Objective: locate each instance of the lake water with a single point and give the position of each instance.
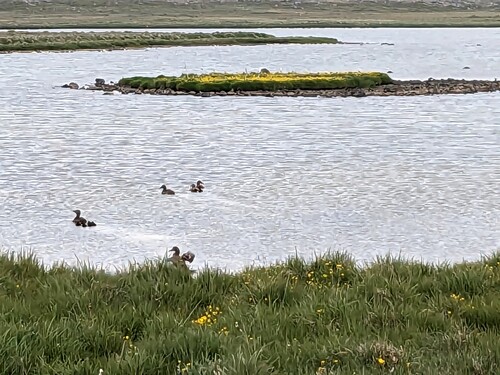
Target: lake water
(416, 176)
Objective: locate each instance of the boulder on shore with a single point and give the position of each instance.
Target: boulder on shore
(99, 82)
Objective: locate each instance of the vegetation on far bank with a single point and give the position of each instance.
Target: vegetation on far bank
(161, 14)
(263, 81)
(328, 316)
(63, 41)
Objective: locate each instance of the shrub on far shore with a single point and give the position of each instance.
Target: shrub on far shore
(328, 316)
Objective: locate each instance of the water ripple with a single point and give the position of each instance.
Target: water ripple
(417, 176)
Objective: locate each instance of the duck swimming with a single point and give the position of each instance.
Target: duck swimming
(78, 220)
(82, 222)
(200, 185)
(167, 191)
(77, 217)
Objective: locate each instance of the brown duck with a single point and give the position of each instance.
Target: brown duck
(167, 191)
(82, 222)
(179, 259)
(78, 220)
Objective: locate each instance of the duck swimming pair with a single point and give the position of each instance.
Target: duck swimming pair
(177, 258)
(194, 188)
(82, 222)
(198, 188)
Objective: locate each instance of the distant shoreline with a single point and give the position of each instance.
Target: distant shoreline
(245, 26)
(243, 15)
(19, 41)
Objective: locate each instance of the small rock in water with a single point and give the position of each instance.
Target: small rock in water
(466, 67)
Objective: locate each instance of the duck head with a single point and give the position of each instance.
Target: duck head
(175, 250)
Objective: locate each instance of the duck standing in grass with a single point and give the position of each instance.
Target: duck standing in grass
(166, 191)
(82, 222)
(178, 259)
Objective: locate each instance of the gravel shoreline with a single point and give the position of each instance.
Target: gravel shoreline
(397, 88)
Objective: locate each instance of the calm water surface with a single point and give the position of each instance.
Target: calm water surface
(414, 176)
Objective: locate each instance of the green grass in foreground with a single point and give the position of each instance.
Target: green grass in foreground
(258, 81)
(324, 317)
(62, 41)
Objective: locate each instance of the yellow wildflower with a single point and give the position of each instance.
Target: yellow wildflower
(381, 361)
(209, 317)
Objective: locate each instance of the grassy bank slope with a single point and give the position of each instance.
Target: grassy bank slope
(84, 13)
(12, 41)
(258, 81)
(324, 317)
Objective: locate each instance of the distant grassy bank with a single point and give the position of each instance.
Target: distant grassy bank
(13, 41)
(263, 81)
(130, 14)
(324, 317)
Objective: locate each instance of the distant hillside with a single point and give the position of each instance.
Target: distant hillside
(247, 13)
(111, 3)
